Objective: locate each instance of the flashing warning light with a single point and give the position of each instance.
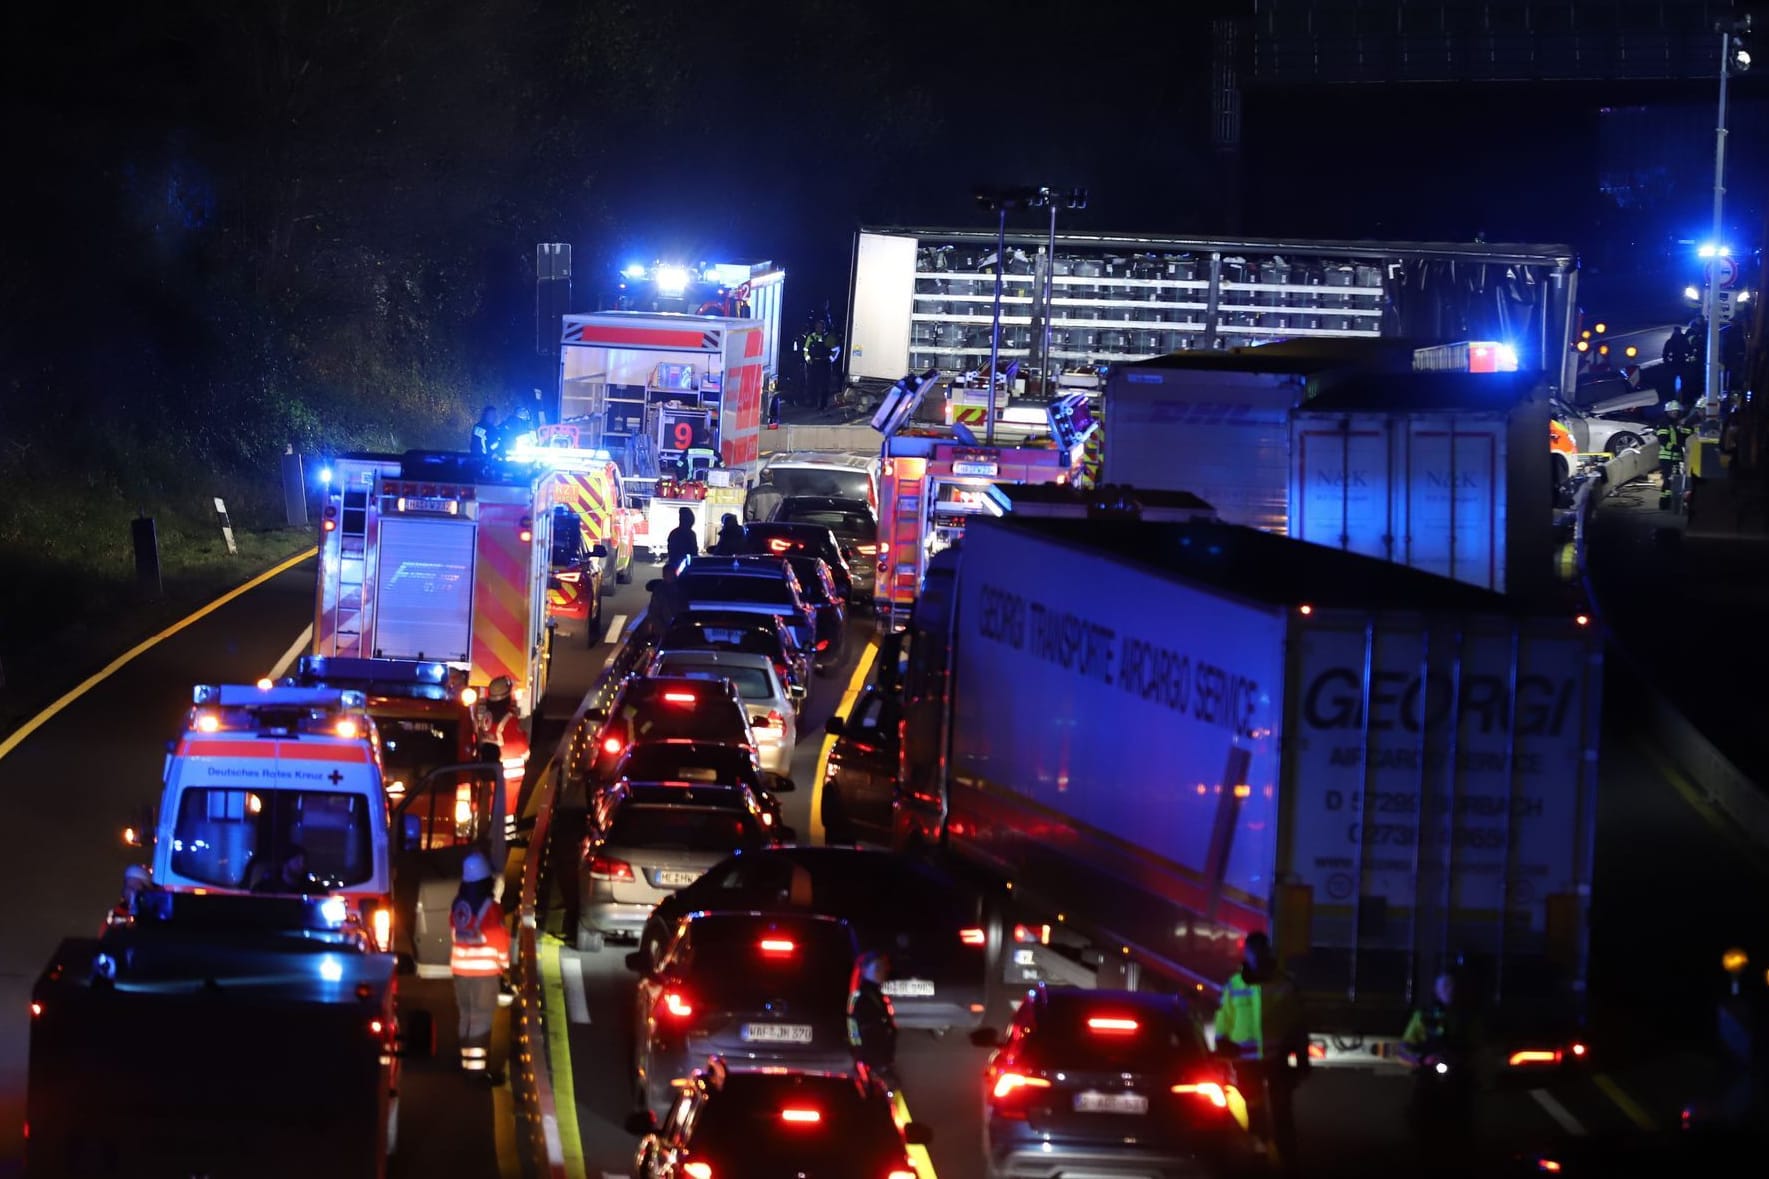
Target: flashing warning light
(972, 937)
(131, 838)
(1577, 1049)
(671, 280)
(633, 271)
(1548, 1165)
(1630, 351)
(463, 805)
(330, 525)
(1528, 1056)
(264, 684)
(777, 945)
(348, 729)
(1208, 1090)
(469, 696)
(208, 722)
(396, 789)
(697, 1170)
(381, 923)
(376, 1027)
(801, 1117)
(527, 529)
(334, 910)
(676, 1005)
(679, 697)
(1735, 960)
(325, 476)
(1691, 294)
(611, 745)
(1009, 1083)
(1109, 1024)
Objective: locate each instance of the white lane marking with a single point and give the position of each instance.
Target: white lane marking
(577, 1005)
(292, 653)
(614, 628)
(1561, 1115)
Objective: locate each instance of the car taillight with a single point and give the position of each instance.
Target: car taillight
(1010, 1083)
(571, 578)
(676, 1004)
(1209, 1091)
(972, 937)
(679, 697)
(775, 719)
(1529, 1056)
(801, 1117)
(778, 545)
(1111, 1026)
(823, 644)
(604, 868)
(697, 1170)
(611, 744)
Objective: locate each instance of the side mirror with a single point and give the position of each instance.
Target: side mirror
(916, 1134)
(600, 550)
(411, 832)
(833, 726)
(986, 1037)
(639, 962)
(641, 1123)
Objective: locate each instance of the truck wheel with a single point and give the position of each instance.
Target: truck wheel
(589, 941)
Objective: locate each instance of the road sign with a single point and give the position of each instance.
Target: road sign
(1722, 272)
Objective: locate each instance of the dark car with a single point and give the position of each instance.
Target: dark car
(668, 708)
(924, 918)
(647, 841)
(818, 588)
(701, 763)
(1104, 1083)
(729, 630)
(759, 990)
(748, 585)
(745, 1125)
(853, 521)
(860, 782)
(777, 539)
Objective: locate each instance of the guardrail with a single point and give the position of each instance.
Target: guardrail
(858, 439)
(537, 1113)
(1722, 785)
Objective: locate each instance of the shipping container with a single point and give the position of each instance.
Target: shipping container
(1217, 730)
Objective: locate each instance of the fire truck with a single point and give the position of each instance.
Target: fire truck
(441, 557)
(588, 481)
(936, 477)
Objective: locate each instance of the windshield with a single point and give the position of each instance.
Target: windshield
(242, 838)
(412, 747)
(714, 588)
(680, 828)
(827, 481)
(641, 719)
(753, 683)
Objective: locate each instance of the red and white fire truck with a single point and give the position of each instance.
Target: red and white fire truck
(935, 478)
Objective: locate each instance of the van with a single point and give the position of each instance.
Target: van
(805, 472)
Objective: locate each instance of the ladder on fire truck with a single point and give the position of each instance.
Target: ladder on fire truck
(353, 560)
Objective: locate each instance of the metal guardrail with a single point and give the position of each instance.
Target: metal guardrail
(537, 1113)
(1721, 784)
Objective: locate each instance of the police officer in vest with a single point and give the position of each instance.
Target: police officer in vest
(1260, 1027)
(872, 1024)
(1446, 1047)
(1673, 439)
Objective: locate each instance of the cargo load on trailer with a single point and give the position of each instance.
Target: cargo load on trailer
(1215, 730)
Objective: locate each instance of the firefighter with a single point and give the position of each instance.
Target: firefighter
(872, 1024)
(1445, 1045)
(483, 442)
(479, 959)
(1673, 438)
(495, 720)
(517, 432)
(1260, 1027)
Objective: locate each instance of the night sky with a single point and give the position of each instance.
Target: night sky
(216, 206)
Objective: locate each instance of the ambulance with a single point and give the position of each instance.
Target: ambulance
(935, 478)
(439, 557)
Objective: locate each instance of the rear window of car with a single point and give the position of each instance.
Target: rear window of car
(648, 716)
(849, 1128)
(821, 481)
(849, 522)
(673, 763)
(869, 887)
(1064, 1036)
(714, 588)
(728, 964)
(753, 683)
(681, 828)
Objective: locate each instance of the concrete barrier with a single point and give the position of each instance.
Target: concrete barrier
(1628, 466)
(854, 439)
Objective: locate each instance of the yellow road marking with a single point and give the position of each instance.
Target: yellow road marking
(924, 1165)
(1626, 1104)
(855, 683)
(117, 664)
(1700, 804)
(559, 1054)
(302, 641)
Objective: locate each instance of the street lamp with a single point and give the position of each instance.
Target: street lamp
(1075, 198)
(1734, 58)
(1000, 201)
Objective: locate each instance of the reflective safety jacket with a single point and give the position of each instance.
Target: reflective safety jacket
(481, 943)
(1262, 1019)
(1673, 437)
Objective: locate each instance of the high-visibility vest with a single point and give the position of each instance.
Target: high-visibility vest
(1260, 1019)
(481, 943)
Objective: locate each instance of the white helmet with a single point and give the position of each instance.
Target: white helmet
(475, 868)
(1673, 407)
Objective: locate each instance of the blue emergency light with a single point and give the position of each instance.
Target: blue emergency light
(253, 696)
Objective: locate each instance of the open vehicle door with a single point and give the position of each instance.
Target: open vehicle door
(455, 809)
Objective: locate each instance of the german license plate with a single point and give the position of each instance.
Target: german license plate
(776, 1033)
(675, 877)
(1111, 1103)
(909, 988)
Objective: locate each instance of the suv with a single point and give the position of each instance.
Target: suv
(760, 990)
(669, 708)
(748, 585)
(854, 523)
(1093, 1081)
(724, 630)
(850, 476)
(725, 1121)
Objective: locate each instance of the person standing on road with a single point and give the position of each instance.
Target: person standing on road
(1260, 1026)
(479, 959)
(1673, 439)
(872, 1023)
(684, 540)
(1446, 1047)
(730, 542)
